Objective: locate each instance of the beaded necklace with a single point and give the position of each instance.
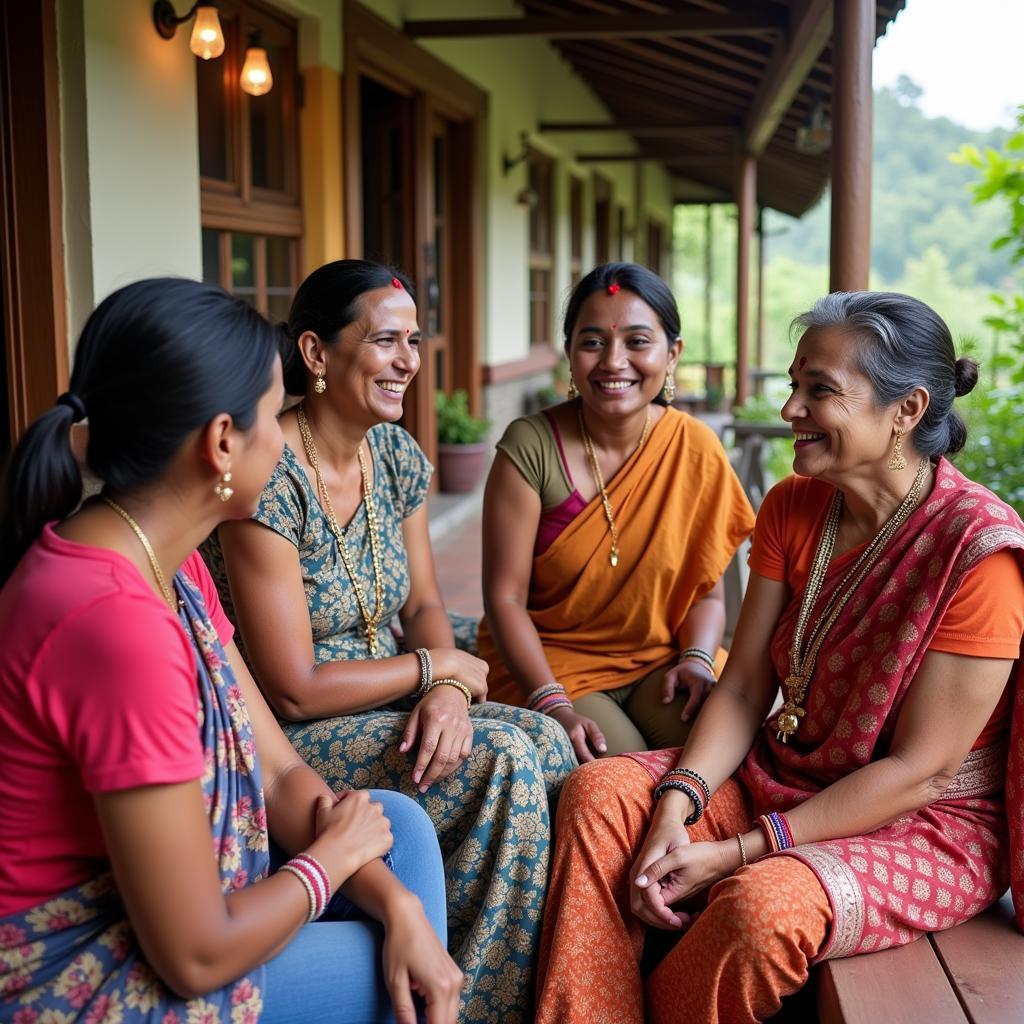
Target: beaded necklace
(802, 657)
(371, 622)
(599, 479)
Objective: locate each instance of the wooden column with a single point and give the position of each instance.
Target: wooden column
(853, 40)
(759, 347)
(709, 277)
(746, 213)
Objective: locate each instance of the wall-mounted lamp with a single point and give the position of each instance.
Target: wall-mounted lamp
(256, 78)
(509, 162)
(207, 36)
(814, 136)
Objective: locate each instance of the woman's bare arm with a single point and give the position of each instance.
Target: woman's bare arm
(270, 604)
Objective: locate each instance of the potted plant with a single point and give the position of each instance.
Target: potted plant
(461, 448)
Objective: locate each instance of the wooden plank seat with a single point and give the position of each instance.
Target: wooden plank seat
(973, 974)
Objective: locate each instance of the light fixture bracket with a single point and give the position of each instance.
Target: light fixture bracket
(510, 162)
(166, 20)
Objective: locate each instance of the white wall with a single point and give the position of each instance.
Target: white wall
(143, 152)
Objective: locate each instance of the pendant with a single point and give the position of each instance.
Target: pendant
(788, 720)
(371, 643)
(614, 558)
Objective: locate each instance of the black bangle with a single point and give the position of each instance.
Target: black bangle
(686, 788)
(689, 773)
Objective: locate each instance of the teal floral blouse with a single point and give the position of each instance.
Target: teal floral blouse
(289, 506)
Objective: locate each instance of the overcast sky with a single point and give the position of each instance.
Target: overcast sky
(967, 55)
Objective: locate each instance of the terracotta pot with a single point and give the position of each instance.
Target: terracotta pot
(461, 466)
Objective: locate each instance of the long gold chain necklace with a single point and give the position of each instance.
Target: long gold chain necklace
(588, 445)
(802, 658)
(161, 580)
(371, 622)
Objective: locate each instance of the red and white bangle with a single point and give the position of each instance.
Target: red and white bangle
(311, 873)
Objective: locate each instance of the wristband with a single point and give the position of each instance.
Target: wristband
(690, 791)
(543, 693)
(311, 873)
(699, 654)
(461, 687)
(426, 670)
(687, 774)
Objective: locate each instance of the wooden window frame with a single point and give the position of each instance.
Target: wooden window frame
(541, 258)
(576, 228)
(236, 205)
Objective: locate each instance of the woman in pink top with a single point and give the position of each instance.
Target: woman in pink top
(132, 735)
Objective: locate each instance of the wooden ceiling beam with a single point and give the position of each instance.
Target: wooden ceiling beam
(682, 160)
(745, 19)
(653, 131)
(810, 29)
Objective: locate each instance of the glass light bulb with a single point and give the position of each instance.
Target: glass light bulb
(256, 78)
(207, 37)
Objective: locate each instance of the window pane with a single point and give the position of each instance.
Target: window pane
(243, 263)
(212, 87)
(279, 264)
(271, 115)
(278, 304)
(211, 256)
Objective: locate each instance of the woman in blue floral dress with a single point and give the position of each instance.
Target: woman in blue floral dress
(142, 776)
(338, 549)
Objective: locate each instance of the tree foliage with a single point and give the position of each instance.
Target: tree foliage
(995, 452)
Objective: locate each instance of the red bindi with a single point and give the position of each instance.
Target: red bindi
(614, 326)
(802, 363)
(613, 288)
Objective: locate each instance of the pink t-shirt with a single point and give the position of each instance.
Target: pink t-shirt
(97, 693)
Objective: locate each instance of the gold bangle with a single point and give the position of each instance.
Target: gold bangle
(461, 687)
(743, 850)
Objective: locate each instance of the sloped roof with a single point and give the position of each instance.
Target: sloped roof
(716, 79)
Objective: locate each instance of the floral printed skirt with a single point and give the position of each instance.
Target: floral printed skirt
(494, 826)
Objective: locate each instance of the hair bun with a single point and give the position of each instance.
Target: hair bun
(966, 376)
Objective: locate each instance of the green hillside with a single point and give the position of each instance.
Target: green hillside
(928, 239)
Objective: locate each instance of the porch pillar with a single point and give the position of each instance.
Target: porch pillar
(759, 345)
(746, 213)
(852, 42)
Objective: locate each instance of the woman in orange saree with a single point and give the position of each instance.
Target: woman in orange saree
(603, 554)
(877, 804)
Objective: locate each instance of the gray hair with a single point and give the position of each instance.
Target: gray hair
(902, 345)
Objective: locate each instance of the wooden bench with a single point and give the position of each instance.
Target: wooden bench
(973, 974)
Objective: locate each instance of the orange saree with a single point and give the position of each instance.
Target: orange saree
(681, 514)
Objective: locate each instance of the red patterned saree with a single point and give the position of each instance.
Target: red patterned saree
(939, 866)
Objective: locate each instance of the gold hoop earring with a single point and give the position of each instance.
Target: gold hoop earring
(321, 382)
(668, 391)
(222, 490)
(572, 391)
(896, 461)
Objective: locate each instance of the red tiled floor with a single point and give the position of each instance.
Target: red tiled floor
(457, 558)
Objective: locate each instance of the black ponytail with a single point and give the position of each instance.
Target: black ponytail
(156, 361)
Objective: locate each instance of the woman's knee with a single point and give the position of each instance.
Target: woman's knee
(775, 901)
(605, 795)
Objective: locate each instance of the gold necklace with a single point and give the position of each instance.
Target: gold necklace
(599, 480)
(370, 622)
(150, 554)
(802, 658)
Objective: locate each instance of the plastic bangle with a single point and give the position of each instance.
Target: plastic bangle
(689, 773)
(311, 873)
(701, 655)
(688, 790)
(538, 695)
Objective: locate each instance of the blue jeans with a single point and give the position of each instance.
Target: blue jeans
(330, 973)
